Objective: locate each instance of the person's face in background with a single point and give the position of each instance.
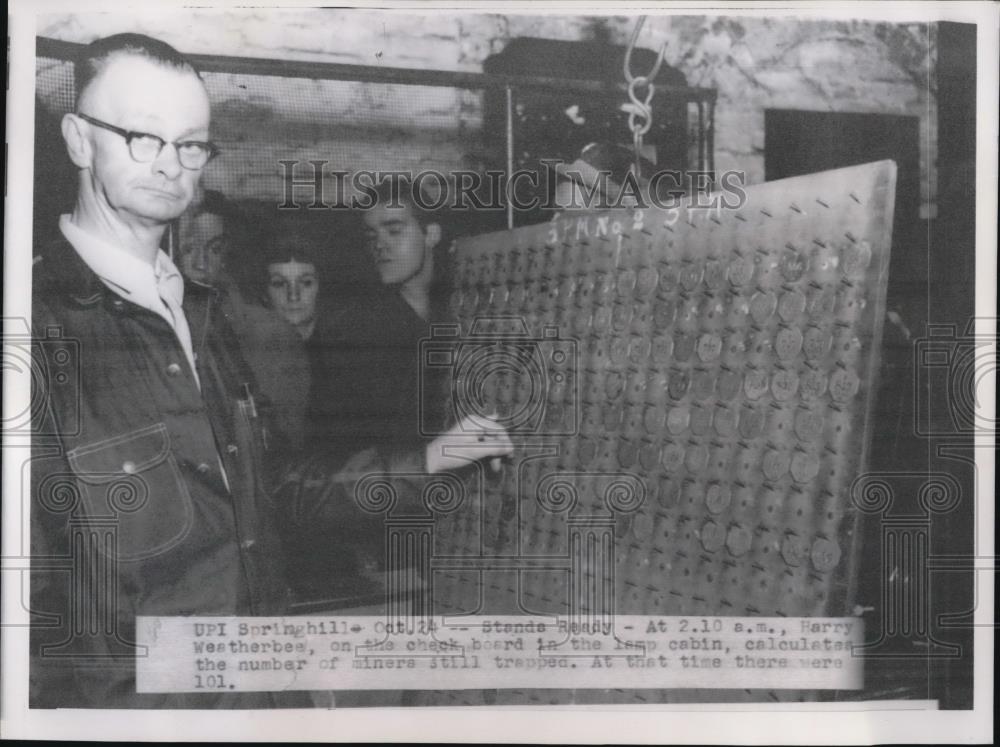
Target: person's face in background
(401, 248)
(202, 243)
(293, 287)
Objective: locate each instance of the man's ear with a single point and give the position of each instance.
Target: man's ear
(77, 142)
(432, 235)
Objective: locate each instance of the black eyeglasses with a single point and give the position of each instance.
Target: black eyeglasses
(144, 147)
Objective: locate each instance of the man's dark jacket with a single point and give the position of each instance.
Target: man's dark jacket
(131, 513)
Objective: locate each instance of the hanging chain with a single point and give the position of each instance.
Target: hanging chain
(640, 110)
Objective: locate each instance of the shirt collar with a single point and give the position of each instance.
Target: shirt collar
(123, 272)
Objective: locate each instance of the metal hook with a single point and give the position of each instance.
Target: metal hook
(639, 107)
(628, 54)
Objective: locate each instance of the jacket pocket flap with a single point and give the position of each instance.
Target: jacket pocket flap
(130, 453)
(134, 482)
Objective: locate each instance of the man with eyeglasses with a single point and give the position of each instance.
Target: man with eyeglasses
(152, 488)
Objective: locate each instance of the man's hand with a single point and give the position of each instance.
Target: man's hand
(473, 439)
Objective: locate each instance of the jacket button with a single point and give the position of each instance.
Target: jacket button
(173, 369)
(248, 543)
(128, 468)
(203, 468)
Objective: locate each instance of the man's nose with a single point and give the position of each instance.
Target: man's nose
(168, 162)
(294, 292)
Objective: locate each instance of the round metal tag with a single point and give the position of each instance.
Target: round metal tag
(684, 345)
(775, 464)
(696, 458)
(703, 384)
(663, 346)
(794, 550)
(755, 384)
(690, 276)
(844, 384)
(762, 305)
(792, 304)
(672, 456)
(713, 536)
(715, 274)
(813, 385)
(709, 347)
(793, 266)
(718, 497)
(725, 421)
(646, 282)
(817, 343)
(738, 540)
(680, 382)
(602, 320)
(784, 385)
(614, 384)
(678, 420)
(619, 351)
(788, 343)
(653, 419)
(808, 424)
(627, 453)
(752, 423)
(804, 467)
(825, 555)
(740, 271)
(701, 420)
(649, 457)
(626, 283)
(621, 315)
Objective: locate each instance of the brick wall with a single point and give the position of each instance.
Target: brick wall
(755, 63)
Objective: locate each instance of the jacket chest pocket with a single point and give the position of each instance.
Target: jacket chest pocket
(134, 483)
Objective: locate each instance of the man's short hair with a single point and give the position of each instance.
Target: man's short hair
(425, 215)
(297, 236)
(95, 56)
(213, 202)
(388, 190)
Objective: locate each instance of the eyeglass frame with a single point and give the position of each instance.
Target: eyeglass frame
(130, 135)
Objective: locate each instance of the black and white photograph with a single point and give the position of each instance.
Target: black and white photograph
(500, 372)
